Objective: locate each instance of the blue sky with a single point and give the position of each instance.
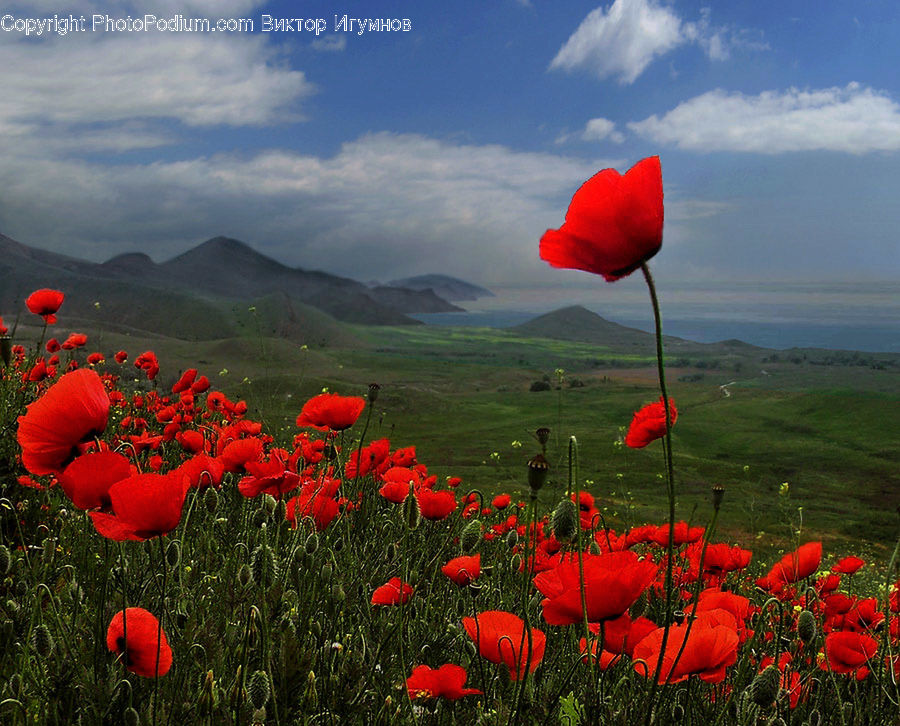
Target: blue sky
(453, 146)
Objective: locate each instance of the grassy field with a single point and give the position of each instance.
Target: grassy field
(462, 397)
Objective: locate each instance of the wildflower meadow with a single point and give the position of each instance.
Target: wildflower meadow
(166, 559)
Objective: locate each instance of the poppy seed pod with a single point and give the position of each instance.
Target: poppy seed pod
(538, 469)
(718, 494)
(373, 392)
(543, 435)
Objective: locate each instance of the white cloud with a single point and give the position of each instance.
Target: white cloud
(197, 79)
(622, 40)
(852, 119)
(332, 43)
(383, 205)
(598, 129)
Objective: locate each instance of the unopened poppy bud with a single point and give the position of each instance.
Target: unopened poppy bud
(594, 548)
(543, 435)
(312, 544)
(42, 641)
(238, 694)
(848, 712)
(263, 566)
(515, 562)
(639, 607)
(316, 628)
(173, 553)
(310, 695)
(718, 494)
(206, 702)
(244, 575)
(806, 626)
(269, 502)
(6, 349)
(471, 536)
(21, 588)
(412, 515)
(391, 551)
(259, 717)
(512, 538)
(764, 688)
(75, 593)
(327, 571)
(677, 712)
(538, 469)
(338, 546)
(259, 517)
(373, 392)
(339, 594)
(211, 500)
(5, 561)
(130, 717)
(258, 689)
(564, 521)
(48, 549)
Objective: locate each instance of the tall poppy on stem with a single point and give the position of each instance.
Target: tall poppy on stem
(613, 225)
(444, 682)
(45, 303)
(330, 411)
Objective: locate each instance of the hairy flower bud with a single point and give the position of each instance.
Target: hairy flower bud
(412, 514)
(312, 544)
(5, 560)
(130, 717)
(258, 689)
(764, 688)
(471, 536)
(173, 553)
(806, 626)
(564, 521)
(263, 566)
(211, 500)
(42, 641)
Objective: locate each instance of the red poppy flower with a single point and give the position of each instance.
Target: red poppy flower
(71, 412)
(649, 424)
(315, 503)
(622, 634)
(3, 329)
(236, 455)
(501, 501)
(330, 411)
(371, 456)
(709, 650)
(848, 565)
(202, 471)
(846, 651)
(444, 682)
(268, 477)
(86, 481)
(463, 570)
(393, 592)
(45, 303)
(75, 340)
(144, 506)
(121, 356)
(435, 505)
(612, 583)
(793, 566)
(137, 637)
(501, 638)
(613, 225)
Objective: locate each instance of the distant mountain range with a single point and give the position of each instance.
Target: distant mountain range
(449, 288)
(194, 295)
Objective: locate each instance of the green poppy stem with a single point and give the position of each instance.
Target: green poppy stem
(670, 480)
